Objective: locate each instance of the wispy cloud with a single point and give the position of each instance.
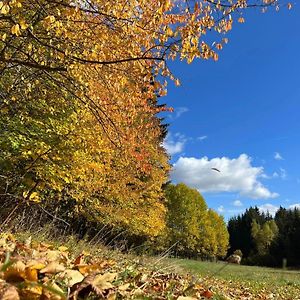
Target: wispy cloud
(174, 144)
(270, 208)
(202, 138)
(178, 111)
(237, 203)
(282, 173)
(236, 175)
(221, 209)
(278, 156)
(296, 205)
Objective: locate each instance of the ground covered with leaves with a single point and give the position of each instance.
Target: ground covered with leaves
(45, 271)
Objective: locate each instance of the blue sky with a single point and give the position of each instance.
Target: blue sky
(241, 115)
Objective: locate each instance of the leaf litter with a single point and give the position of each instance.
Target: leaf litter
(41, 271)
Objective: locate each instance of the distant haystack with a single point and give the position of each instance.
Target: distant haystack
(234, 259)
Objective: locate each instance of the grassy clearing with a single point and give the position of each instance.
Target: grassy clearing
(283, 284)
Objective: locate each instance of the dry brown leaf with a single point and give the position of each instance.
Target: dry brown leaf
(8, 292)
(112, 296)
(103, 282)
(186, 298)
(98, 284)
(71, 277)
(53, 268)
(124, 287)
(34, 264)
(28, 242)
(207, 294)
(79, 260)
(31, 292)
(53, 255)
(48, 295)
(15, 273)
(138, 292)
(45, 245)
(88, 269)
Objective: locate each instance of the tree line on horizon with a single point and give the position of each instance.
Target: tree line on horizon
(266, 240)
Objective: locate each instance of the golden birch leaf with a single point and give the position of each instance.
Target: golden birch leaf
(177, 82)
(31, 274)
(16, 30)
(34, 264)
(23, 24)
(63, 248)
(34, 197)
(4, 9)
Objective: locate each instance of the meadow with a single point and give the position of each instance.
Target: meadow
(236, 280)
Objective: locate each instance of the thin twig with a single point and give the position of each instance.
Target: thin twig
(54, 217)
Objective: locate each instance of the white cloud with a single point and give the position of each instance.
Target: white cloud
(278, 156)
(178, 111)
(237, 203)
(270, 208)
(236, 175)
(296, 205)
(201, 138)
(174, 144)
(221, 209)
(265, 176)
(283, 173)
(280, 174)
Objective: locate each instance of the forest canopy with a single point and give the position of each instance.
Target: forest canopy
(80, 83)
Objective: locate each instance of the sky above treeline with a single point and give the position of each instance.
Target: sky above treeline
(241, 115)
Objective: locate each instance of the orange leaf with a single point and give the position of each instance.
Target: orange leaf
(207, 294)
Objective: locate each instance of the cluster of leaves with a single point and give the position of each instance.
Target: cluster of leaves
(32, 270)
(264, 239)
(192, 229)
(74, 127)
(79, 82)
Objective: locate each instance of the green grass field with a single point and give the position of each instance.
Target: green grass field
(263, 283)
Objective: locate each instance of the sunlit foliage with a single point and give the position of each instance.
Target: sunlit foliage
(79, 83)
